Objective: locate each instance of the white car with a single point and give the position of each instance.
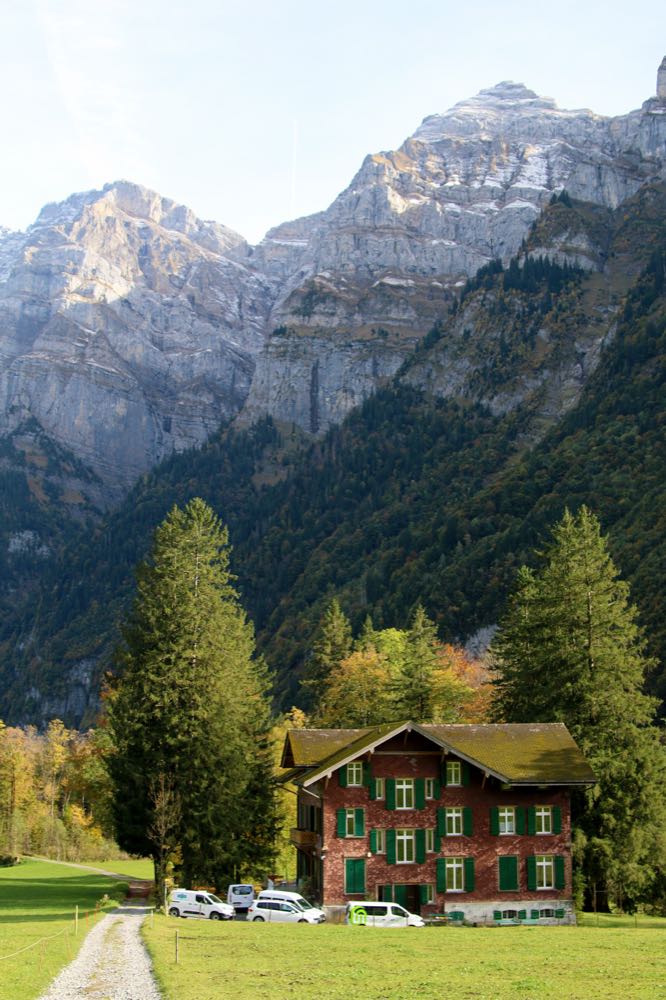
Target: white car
(282, 896)
(279, 911)
(373, 914)
(192, 903)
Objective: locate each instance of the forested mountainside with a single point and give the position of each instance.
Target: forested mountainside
(540, 387)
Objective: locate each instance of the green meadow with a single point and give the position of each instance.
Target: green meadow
(38, 900)
(133, 867)
(218, 960)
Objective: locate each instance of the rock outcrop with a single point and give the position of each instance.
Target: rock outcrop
(129, 328)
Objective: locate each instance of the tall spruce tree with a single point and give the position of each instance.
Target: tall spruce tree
(570, 649)
(332, 644)
(413, 688)
(189, 712)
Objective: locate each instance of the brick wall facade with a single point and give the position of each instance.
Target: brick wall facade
(418, 760)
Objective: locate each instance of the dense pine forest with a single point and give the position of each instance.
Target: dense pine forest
(417, 498)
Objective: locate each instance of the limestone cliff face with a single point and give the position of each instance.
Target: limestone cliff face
(128, 328)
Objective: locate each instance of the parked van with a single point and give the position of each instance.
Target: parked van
(240, 896)
(373, 914)
(296, 899)
(191, 903)
(283, 912)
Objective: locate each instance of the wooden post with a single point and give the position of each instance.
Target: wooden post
(176, 947)
(76, 921)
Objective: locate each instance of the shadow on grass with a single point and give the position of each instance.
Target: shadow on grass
(23, 899)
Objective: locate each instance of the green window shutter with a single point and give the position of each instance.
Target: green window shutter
(390, 847)
(387, 894)
(342, 776)
(560, 879)
(494, 821)
(443, 772)
(441, 874)
(342, 822)
(367, 773)
(559, 914)
(508, 873)
(420, 846)
(437, 842)
(497, 914)
(522, 914)
(373, 841)
(531, 821)
(438, 789)
(441, 822)
(465, 772)
(469, 874)
(419, 793)
(355, 875)
(534, 914)
(520, 819)
(359, 822)
(373, 789)
(531, 873)
(557, 819)
(467, 821)
(389, 791)
(423, 894)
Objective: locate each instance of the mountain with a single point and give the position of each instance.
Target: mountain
(465, 291)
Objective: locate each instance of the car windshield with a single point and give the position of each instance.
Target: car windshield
(214, 899)
(303, 903)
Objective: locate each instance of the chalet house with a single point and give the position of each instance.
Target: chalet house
(472, 821)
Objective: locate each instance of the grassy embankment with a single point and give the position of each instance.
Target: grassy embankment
(133, 868)
(38, 900)
(615, 960)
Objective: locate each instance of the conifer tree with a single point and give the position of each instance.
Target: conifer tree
(189, 711)
(570, 650)
(413, 689)
(332, 644)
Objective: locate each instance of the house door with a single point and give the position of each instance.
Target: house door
(408, 896)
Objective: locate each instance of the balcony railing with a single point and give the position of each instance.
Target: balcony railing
(304, 838)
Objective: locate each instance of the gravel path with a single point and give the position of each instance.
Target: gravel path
(112, 964)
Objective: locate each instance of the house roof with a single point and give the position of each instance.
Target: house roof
(516, 753)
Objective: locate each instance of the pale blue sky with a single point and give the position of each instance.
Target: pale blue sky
(255, 112)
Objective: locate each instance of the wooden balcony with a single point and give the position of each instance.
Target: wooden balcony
(305, 839)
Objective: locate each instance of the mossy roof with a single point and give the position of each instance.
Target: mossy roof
(519, 753)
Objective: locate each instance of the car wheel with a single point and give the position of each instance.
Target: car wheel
(259, 919)
(174, 912)
(302, 921)
(215, 916)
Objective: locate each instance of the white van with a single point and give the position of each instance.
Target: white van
(295, 898)
(373, 914)
(191, 903)
(240, 896)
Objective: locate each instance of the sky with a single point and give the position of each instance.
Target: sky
(255, 112)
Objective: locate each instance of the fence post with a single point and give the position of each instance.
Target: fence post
(76, 921)
(176, 947)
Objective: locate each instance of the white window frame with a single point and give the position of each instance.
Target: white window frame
(506, 816)
(430, 788)
(455, 874)
(350, 822)
(545, 871)
(404, 792)
(380, 788)
(405, 847)
(430, 840)
(430, 893)
(453, 773)
(355, 774)
(543, 819)
(380, 841)
(453, 821)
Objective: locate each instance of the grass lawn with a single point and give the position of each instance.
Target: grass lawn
(134, 868)
(37, 901)
(220, 960)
